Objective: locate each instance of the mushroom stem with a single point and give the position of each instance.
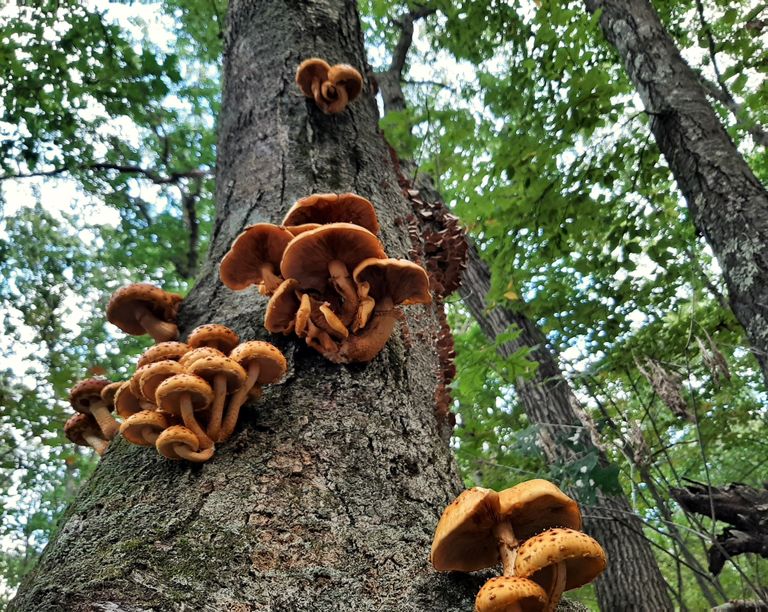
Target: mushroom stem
(188, 414)
(98, 444)
(557, 586)
(270, 281)
(238, 399)
(341, 101)
(365, 346)
(302, 315)
(508, 542)
(320, 340)
(104, 418)
(346, 287)
(150, 434)
(183, 451)
(161, 331)
(217, 410)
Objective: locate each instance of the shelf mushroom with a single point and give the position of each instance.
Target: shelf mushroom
(332, 87)
(254, 258)
(560, 560)
(510, 594)
(83, 430)
(325, 208)
(215, 336)
(184, 395)
(178, 442)
(144, 427)
(85, 397)
(142, 308)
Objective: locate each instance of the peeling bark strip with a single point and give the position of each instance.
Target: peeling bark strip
(727, 203)
(328, 497)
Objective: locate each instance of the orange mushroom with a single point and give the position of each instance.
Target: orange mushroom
(83, 430)
(254, 258)
(142, 308)
(324, 208)
(85, 397)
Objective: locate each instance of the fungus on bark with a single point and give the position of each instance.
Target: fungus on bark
(215, 336)
(254, 258)
(510, 594)
(283, 307)
(184, 395)
(560, 560)
(162, 351)
(126, 403)
(179, 442)
(332, 87)
(199, 353)
(154, 374)
(85, 397)
(225, 375)
(108, 394)
(325, 208)
(83, 430)
(142, 308)
(144, 427)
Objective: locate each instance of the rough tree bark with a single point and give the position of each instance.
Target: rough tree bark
(727, 203)
(549, 402)
(327, 497)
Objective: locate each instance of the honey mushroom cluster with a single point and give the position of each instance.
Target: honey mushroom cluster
(327, 275)
(331, 87)
(533, 529)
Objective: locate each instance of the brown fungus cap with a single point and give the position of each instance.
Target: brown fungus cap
(178, 442)
(348, 77)
(282, 308)
(134, 426)
(108, 393)
(464, 539)
(151, 376)
(87, 392)
(583, 557)
(307, 256)
(122, 305)
(404, 281)
(536, 505)
(300, 229)
(170, 392)
(204, 351)
(272, 365)
(324, 208)
(126, 403)
(259, 245)
(312, 69)
(80, 425)
(215, 336)
(165, 350)
(510, 593)
(208, 368)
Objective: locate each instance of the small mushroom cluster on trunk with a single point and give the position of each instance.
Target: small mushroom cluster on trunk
(327, 275)
(182, 399)
(331, 87)
(532, 529)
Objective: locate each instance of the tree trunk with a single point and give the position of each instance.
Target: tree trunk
(327, 497)
(727, 203)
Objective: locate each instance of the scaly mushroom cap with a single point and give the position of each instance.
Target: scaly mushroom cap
(536, 505)
(215, 336)
(309, 70)
(583, 557)
(122, 304)
(300, 229)
(208, 368)
(171, 391)
(348, 77)
(135, 382)
(134, 425)
(180, 435)
(510, 594)
(282, 308)
(126, 403)
(205, 351)
(464, 539)
(87, 392)
(258, 245)
(307, 256)
(154, 374)
(80, 425)
(324, 208)
(108, 393)
(271, 361)
(404, 281)
(165, 350)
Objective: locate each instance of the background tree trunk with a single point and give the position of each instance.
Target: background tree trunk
(328, 497)
(727, 203)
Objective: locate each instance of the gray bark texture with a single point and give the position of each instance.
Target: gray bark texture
(727, 203)
(327, 496)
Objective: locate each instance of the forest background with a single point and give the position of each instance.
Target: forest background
(525, 119)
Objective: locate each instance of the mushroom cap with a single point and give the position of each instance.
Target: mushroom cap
(282, 308)
(348, 77)
(173, 389)
(503, 593)
(86, 393)
(79, 425)
(204, 351)
(122, 305)
(126, 403)
(213, 334)
(307, 256)
(300, 229)
(135, 382)
(154, 374)
(258, 244)
(109, 391)
(309, 70)
(404, 281)
(164, 350)
(464, 539)
(271, 361)
(132, 426)
(324, 208)
(208, 368)
(176, 434)
(536, 505)
(583, 557)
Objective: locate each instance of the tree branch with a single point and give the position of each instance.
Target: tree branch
(758, 133)
(155, 177)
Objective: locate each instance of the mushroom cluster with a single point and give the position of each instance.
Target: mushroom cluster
(327, 275)
(182, 399)
(533, 530)
(332, 87)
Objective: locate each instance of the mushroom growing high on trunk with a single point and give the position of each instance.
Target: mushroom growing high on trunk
(142, 308)
(254, 258)
(85, 397)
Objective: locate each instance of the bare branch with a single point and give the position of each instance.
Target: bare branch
(147, 173)
(758, 133)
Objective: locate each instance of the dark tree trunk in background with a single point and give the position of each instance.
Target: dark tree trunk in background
(727, 204)
(327, 497)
